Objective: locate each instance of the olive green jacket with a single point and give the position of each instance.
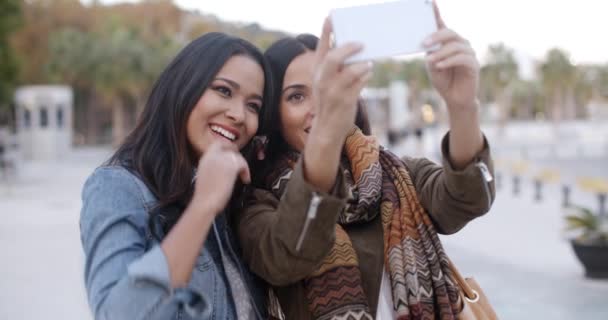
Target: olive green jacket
(269, 229)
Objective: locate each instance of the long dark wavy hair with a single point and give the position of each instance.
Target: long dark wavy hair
(157, 150)
(279, 55)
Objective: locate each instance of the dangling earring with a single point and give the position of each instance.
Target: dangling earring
(259, 146)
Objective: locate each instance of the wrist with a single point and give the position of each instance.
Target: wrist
(321, 160)
(327, 132)
(465, 111)
(464, 106)
(203, 207)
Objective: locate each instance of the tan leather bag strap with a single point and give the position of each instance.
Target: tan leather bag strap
(469, 293)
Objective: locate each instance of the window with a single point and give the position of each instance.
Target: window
(44, 117)
(60, 116)
(27, 118)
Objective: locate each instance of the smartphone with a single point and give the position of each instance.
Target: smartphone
(385, 29)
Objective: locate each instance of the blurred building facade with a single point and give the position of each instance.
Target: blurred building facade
(44, 121)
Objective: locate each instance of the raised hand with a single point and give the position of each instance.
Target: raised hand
(453, 68)
(337, 85)
(336, 88)
(217, 172)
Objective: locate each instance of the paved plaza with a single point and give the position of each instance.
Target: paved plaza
(517, 252)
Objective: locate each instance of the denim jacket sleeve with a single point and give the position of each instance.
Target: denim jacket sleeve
(124, 278)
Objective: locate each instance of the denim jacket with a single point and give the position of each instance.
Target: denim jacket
(126, 272)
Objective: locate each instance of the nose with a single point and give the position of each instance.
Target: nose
(312, 110)
(236, 112)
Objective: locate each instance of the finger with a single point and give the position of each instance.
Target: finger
(214, 147)
(443, 36)
(459, 60)
(350, 74)
(226, 145)
(438, 18)
(324, 42)
(450, 49)
(242, 168)
(355, 89)
(361, 83)
(335, 59)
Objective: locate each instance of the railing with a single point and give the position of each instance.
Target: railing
(522, 171)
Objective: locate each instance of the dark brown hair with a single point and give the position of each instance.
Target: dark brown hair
(157, 150)
(279, 55)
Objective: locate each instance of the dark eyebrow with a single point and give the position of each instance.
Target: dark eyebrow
(238, 87)
(230, 82)
(294, 86)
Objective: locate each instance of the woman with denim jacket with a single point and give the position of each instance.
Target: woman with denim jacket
(156, 240)
(339, 226)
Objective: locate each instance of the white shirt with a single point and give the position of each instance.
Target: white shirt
(385, 310)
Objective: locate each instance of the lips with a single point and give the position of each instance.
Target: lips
(226, 132)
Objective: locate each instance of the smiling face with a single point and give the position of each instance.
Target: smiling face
(229, 107)
(296, 106)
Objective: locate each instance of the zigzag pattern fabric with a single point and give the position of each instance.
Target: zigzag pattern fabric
(421, 281)
(364, 176)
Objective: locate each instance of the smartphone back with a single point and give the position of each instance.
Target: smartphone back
(385, 29)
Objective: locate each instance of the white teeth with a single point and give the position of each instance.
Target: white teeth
(225, 133)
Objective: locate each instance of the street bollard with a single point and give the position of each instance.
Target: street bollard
(566, 194)
(601, 197)
(538, 190)
(516, 182)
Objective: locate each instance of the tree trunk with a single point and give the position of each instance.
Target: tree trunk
(139, 108)
(569, 105)
(556, 107)
(556, 112)
(118, 124)
(504, 107)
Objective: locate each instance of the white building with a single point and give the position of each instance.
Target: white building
(393, 101)
(44, 121)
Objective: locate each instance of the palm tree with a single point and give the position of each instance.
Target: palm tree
(72, 60)
(525, 99)
(558, 78)
(584, 88)
(10, 20)
(599, 82)
(497, 76)
(383, 73)
(114, 68)
(415, 74)
(128, 68)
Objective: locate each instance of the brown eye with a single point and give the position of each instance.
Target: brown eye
(295, 97)
(223, 90)
(255, 107)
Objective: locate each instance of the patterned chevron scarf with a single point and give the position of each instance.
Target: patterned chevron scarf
(421, 281)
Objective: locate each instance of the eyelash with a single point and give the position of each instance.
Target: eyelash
(255, 107)
(292, 97)
(225, 91)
